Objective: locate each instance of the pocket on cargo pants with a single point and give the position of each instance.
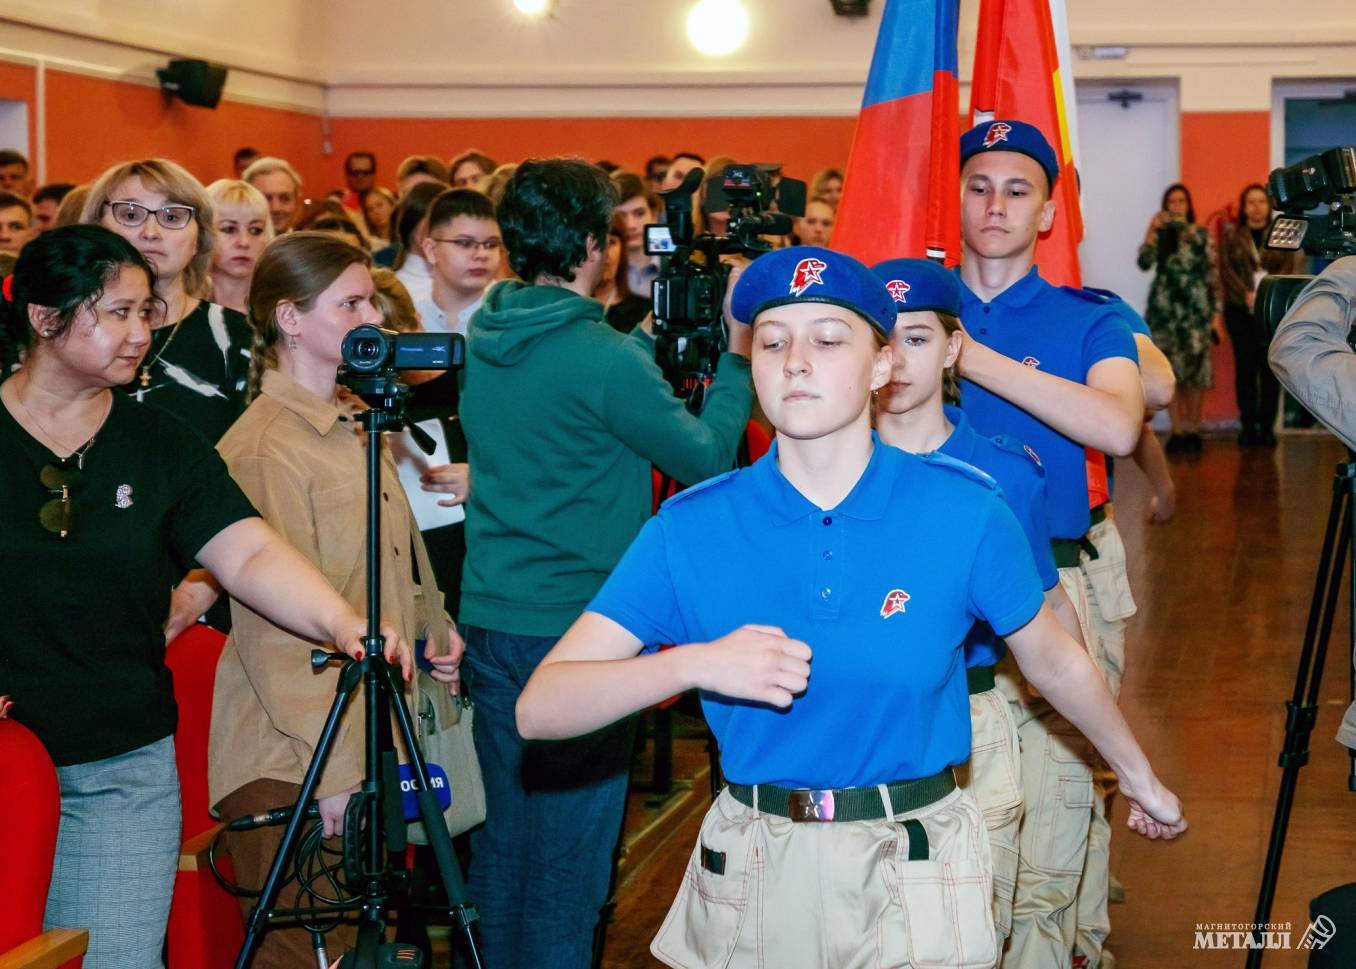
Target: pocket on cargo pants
(941, 912)
(1058, 770)
(722, 882)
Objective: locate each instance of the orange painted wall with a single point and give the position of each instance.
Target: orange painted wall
(1222, 152)
(804, 145)
(93, 122)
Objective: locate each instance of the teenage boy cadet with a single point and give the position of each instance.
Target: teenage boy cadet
(463, 249)
(563, 417)
(1057, 369)
(16, 222)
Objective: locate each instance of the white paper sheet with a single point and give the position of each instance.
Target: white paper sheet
(411, 463)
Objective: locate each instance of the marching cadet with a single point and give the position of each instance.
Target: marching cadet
(915, 413)
(824, 594)
(1057, 369)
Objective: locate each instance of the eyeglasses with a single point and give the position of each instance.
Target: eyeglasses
(133, 214)
(467, 244)
(360, 171)
(58, 479)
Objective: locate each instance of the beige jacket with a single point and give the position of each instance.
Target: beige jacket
(302, 463)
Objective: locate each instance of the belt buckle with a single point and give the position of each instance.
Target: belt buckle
(811, 806)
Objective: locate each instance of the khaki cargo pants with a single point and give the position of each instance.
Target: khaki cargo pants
(1057, 795)
(1110, 604)
(763, 891)
(993, 777)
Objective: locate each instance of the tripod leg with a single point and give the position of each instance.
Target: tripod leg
(434, 826)
(1302, 708)
(348, 680)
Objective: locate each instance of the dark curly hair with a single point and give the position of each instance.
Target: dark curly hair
(550, 209)
(63, 270)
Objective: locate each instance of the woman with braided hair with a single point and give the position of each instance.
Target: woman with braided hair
(300, 458)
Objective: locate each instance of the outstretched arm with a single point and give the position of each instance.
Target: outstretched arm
(1066, 677)
(255, 565)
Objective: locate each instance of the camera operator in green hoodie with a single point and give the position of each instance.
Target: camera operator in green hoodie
(563, 418)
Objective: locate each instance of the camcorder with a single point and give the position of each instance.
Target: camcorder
(1329, 181)
(373, 359)
(688, 296)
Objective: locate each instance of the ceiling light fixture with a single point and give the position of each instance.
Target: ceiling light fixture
(532, 8)
(717, 27)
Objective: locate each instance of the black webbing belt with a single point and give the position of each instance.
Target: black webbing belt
(979, 679)
(1068, 551)
(847, 804)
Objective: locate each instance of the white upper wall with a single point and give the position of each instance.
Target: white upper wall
(632, 57)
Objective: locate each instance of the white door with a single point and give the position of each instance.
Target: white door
(1128, 136)
(14, 125)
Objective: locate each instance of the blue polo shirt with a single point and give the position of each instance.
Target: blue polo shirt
(883, 587)
(1137, 325)
(1018, 472)
(1060, 331)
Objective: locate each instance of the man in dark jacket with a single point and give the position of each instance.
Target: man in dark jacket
(563, 418)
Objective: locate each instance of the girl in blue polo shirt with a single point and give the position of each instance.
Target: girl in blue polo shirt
(914, 412)
(824, 594)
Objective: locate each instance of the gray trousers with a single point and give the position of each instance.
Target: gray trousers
(116, 855)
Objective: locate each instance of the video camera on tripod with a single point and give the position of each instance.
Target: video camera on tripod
(375, 818)
(689, 294)
(1327, 179)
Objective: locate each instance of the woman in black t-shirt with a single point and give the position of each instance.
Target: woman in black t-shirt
(199, 354)
(102, 497)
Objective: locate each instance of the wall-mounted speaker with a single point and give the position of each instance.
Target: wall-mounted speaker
(193, 82)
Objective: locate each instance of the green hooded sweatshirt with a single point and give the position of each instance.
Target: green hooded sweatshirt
(564, 417)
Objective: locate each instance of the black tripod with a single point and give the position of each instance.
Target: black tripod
(379, 810)
(1302, 708)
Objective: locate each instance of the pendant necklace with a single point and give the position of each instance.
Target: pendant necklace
(145, 378)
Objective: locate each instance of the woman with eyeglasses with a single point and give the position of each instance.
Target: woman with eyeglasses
(196, 364)
(102, 499)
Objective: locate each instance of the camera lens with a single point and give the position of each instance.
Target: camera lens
(367, 348)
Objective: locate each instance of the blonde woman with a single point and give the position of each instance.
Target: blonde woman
(298, 458)
(243, 229)
(378, 205)
(199, 354)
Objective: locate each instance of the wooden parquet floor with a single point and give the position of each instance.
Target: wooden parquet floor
(1223, 594)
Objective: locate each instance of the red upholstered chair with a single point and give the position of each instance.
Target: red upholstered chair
(205, 927)
(32, 799)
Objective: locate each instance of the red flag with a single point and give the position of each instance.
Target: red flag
(902, 182)
(1017, 75)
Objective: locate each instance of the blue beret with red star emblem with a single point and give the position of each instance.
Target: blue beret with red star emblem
(1025, 139)
(811, 274)
(920, 284)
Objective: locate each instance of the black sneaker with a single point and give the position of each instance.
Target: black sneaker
(1176, 444)
(1194, 443)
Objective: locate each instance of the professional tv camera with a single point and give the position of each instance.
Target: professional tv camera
(689, 294)
(1327, 179)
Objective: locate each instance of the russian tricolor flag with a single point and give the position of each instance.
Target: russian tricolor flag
(901, 189)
